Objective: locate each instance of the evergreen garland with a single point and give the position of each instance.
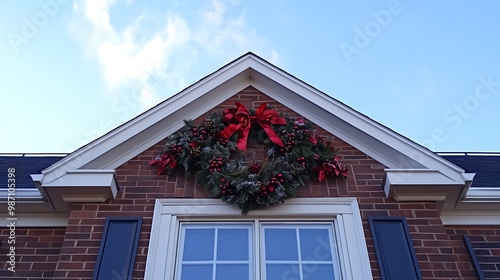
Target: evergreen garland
(226, 172)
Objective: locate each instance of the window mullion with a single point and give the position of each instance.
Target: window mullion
(214, 263)
(297, 234)
(257, 260)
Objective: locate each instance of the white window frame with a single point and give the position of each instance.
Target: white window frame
(168, 213)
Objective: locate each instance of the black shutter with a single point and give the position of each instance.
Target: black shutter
(394, 248)
(118, 248)
(480, 274)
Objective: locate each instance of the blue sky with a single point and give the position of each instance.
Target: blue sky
(70, 71)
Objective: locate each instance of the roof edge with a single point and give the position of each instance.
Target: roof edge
(249, 60)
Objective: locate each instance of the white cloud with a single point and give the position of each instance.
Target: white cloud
(221, 35)
(96, 12)
(126, 59)
(275, 57)
(127, 56)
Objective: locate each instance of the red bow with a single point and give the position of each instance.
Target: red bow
(330, 168)
(163, 161)
(240, 120)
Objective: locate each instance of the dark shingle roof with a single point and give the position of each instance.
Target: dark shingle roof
(486, 166)
(24, 166)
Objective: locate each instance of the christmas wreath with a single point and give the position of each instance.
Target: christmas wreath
(216, 153)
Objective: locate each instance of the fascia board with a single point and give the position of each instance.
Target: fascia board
(470, 218)
(482, 195)
(81, 186)
(489, 205)
(422, 185)
(84, 178)
(419, 177)
(101, 182)
(22, 195)
(28, 200)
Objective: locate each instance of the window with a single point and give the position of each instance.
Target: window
(305, 251)
(305, 238)
(285, 251)
(215, 251)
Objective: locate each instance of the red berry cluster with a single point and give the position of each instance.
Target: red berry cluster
(177, 149)
(271, 186)
(264, 190)
(225, 187)
(301, 160)
(216, 164)
(255, 167)
(200, 134)
(222, 141)
(289, 140)
(300, 126)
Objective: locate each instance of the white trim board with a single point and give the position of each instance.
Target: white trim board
(470, 218)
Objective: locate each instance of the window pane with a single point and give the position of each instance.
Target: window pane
(199, 245)
(314, 271)
(197, 272)
(315, 245)
(282, 271)
(281, 244)
(232, 272)
(232, 244)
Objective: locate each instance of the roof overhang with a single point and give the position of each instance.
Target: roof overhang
(424, 185)
(459, 203)
(77, 186)
(420, 185)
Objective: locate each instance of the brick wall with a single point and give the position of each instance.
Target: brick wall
(140, 187)
(486, 243)
(37, 253)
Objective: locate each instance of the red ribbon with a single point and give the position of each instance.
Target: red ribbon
(240, 120)
(163, 161)
(330, 168)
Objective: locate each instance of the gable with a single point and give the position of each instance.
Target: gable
(365, 173)
(413, 173)
(128, 140)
